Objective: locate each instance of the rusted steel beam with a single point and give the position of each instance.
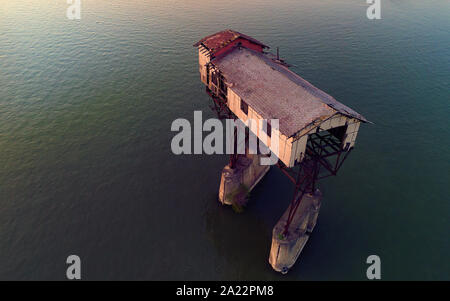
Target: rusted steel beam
(295, 203)
(330, 139)
(345, 157)
(321, 147)
(324, 162)
(283, 170)
(303, 185)
(329, 142)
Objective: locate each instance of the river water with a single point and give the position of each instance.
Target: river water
(86, 166)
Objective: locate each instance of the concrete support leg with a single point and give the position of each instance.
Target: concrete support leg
(286, 249)
(237, 182)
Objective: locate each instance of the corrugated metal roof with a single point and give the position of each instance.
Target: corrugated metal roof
(275, 92)
(221, 39)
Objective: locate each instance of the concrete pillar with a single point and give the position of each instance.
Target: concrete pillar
(237, 182)
(286, 249)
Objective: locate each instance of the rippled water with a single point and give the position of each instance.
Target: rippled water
(85, 161)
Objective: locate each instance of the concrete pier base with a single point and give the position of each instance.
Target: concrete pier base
(237, 182)
(286, 249)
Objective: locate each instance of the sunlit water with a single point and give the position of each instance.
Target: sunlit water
(85, 161)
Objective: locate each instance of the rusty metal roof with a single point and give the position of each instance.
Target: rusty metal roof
(221, 39)
(275, 92)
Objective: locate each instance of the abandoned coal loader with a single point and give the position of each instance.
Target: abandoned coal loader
(315, 134)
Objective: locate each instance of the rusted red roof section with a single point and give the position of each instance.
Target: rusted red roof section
(221, 39)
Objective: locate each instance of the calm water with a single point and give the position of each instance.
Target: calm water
(85, 161)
